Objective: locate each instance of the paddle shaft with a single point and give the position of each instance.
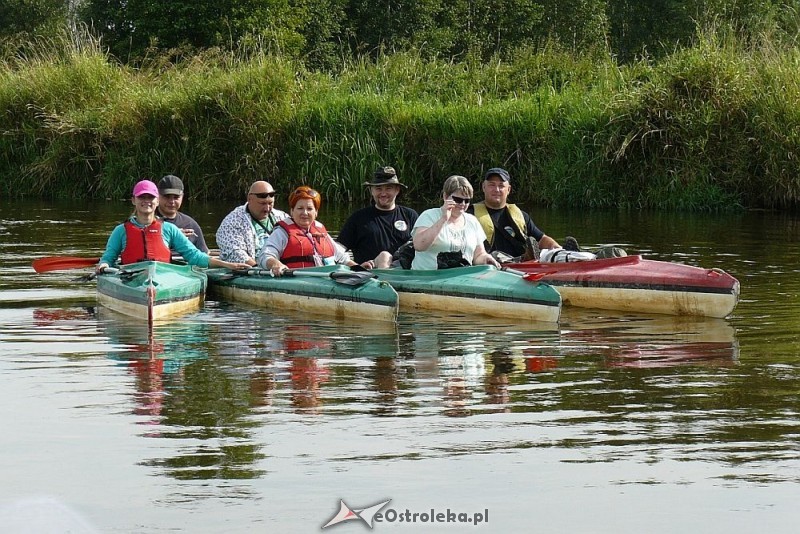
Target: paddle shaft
(342, 277)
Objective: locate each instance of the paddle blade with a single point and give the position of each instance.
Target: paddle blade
(535, 277)
(62, 263)
(352, 278)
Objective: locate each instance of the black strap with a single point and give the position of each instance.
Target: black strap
(271, 218)
(298, 259)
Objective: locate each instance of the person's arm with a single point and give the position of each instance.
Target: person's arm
(114, 246)
(234, 266)
(199, 239)
(544, 240)
(201, 243)
(177, 241)
(273, 250)
(342, 258)
(548, 242)
(481, 257)
(424, 236)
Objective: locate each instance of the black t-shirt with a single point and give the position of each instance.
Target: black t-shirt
(369, 231)
(507, 237)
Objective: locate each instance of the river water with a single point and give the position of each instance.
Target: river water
(244, 420)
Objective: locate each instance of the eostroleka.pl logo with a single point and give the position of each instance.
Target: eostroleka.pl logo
(365, 514)
(373, 514)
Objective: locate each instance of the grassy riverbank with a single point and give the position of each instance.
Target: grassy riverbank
(712, 127)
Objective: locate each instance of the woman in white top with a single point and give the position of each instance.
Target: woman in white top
(450, 228)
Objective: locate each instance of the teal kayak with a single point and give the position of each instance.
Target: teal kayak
(317, 290)
(479, 289)
(152, 290)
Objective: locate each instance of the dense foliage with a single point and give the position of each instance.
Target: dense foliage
(574, 97)
(326, 33)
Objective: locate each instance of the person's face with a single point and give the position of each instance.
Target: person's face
(385, 195)
(461, 201)
(304, 213)
(260, 200)
(145, 204)
(495, 192)
(169, 204)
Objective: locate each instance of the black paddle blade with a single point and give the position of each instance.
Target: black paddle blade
(352, 278)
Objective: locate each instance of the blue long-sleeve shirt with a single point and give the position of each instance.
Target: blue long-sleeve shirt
(173, 238)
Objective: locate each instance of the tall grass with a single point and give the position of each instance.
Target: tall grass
(714, 126)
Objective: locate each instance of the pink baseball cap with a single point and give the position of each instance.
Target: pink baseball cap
(145, 187)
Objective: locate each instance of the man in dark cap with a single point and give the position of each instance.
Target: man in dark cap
(509, 230)
(170, 198)
(375, 232)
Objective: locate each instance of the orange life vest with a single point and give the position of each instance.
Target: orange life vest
(144, 243)
(302, 245)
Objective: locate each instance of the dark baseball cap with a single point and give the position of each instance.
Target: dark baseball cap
(502, 173)
(170, 185)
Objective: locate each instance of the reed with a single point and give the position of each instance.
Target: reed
(714, 126)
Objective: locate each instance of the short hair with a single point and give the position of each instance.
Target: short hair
(457, 183)
(305, 192)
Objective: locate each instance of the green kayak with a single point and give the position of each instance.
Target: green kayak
(479, 289)
(152, 290)
(332, 290)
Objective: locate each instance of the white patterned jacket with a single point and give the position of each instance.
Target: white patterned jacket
(236, 235)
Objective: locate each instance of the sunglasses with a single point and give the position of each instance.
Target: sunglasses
(264, 195)
(306, 192)
(460, 200)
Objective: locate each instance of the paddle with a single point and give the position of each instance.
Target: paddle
(350, 278)
(530, 277)
(62, 263)
(109, 270)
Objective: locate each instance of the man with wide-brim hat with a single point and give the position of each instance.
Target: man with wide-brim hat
(374, 233)
(385, 176)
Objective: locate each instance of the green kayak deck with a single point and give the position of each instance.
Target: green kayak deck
(308, 292)
(177, 289)
(478, 289)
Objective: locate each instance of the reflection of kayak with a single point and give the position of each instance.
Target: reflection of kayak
(177, 289)
(638, 285)
(372, 299)
(479, 289)
(655, 341)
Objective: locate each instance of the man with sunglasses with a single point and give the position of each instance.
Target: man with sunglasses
(170, 198)
(243, 232)
(509, 230)
(376, 232)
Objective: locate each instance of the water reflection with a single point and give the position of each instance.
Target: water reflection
(183, 392)
(656, 341)
(243, 406)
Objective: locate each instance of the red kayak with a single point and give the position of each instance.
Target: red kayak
(634, 284)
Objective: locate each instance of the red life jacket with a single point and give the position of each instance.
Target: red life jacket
(144, 243)
(302, 245)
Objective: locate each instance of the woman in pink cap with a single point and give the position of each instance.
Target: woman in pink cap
(144, 237)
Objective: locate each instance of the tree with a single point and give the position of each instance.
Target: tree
(131, 27)
(28, 17)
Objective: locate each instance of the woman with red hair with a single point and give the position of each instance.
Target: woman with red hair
(302, 241)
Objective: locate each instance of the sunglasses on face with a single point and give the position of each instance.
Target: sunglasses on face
(271, 194)
(460, 200)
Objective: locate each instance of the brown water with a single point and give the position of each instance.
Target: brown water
(245, 420)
